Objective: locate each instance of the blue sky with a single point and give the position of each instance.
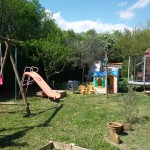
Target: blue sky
(101, 15)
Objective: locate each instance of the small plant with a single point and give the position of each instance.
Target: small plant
(129, 103)
(123, 85)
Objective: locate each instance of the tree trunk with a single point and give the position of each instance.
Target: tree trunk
(83, 73)
(47, 77)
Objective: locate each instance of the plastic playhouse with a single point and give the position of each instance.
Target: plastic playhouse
(103, 80)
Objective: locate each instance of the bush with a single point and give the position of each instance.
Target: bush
(124, 70)
(129, 106)
(61, 85)
(123, 85)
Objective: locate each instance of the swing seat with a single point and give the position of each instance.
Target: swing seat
(1, 80)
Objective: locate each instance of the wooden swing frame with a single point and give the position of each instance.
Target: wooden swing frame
(7, 54)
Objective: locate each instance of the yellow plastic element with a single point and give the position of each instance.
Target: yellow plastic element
(90, 89)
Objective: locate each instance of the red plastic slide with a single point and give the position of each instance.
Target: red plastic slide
(43, 85)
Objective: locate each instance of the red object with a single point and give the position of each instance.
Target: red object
(1, 80)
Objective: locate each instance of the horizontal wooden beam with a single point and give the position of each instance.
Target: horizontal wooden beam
(9, 40)
(10, 103)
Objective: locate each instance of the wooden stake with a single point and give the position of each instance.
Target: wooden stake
(106, 74)
(106, 82)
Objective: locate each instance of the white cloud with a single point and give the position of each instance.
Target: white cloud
(140, 4)
(85, 25)
(129, 13)
(123, 4)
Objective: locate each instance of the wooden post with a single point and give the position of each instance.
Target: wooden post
(106, 59)
(106, 82)
(144, 71)
(129, 70)
(135, 73)
(19, 81)
(5, 58)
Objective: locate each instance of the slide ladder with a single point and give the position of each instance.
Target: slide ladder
(27, 80)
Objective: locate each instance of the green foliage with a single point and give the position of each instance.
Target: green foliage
(133, 43)
(61, 86)
(52, 50)
(43, 42)
(89, 49)
(129, 106)
(123, 85)
(115, 53)
(20, 19)
(124, 69)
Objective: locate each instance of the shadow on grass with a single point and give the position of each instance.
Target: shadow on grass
(8, 140)
(12, 112)
(22, 111)
(124, 133)
(52, 116)
(142, 119)
(43, 111)
(6, 97)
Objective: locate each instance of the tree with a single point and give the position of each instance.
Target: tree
(133, 43)
(90, 50)
(114, 54)
(52, 51)
(20, 19)
(55, 56)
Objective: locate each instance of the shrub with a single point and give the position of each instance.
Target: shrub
(123, 85)
(129, 104)
(124, 70)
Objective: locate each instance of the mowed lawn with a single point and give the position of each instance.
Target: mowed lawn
(79, 119)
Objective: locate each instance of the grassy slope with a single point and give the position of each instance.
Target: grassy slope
(77, 119)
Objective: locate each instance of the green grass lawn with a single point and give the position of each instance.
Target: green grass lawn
(79, 119)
